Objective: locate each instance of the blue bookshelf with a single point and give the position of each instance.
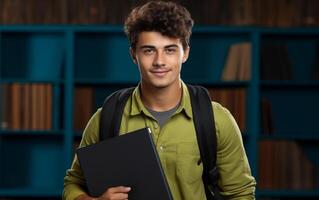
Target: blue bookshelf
(31, 192)
(288, 193)
(70, 57)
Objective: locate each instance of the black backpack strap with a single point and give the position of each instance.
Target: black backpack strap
(111, 116)
(112, 111)
(206, 137)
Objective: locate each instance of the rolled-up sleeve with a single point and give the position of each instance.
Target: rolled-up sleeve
(236, 181)
(74, 183)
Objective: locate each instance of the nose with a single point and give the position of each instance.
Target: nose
(159, 59)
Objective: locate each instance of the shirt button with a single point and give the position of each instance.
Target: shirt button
(161, 148)
(155, 125)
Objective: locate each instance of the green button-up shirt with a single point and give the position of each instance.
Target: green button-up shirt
(178, 151)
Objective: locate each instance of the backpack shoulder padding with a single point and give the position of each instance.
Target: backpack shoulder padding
(111, 113)
(204, 122)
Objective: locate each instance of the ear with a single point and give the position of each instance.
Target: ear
(186, 54)
(132, 53)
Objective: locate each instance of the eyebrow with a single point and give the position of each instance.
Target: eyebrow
(170, 46)
(147, 47)
(153, 47)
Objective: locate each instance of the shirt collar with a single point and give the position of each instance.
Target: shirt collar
(137, 106)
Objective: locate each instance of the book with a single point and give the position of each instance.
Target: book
(127, 160)
(83, 107)
(238, 62)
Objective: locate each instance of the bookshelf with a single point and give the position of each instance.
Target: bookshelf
(292, 92)
(94, 61)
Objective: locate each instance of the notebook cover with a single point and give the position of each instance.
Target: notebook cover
(127, 160)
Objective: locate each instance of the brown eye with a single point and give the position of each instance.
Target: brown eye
(148, 51)
(170, 50)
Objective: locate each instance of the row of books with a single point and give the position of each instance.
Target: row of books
(26, 106)
(99, 11)
(65, 11)
(284, 165)
(33, 12)
(234, 100)
(226, 12)
(82, 107)
(286, 13)
(257, 12)
(29, 106)
(275, 63)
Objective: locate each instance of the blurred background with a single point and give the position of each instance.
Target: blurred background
(59, 59)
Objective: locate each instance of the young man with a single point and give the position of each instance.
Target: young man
(159, 35)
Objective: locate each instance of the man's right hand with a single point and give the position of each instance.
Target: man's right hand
(113, 193)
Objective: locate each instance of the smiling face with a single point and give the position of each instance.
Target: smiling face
(159, 59)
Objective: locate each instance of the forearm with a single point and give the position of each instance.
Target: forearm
(72, 191)
(236, 181)
(74, 183)
(248, 197)
(242, 193)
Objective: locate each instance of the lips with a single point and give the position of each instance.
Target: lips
(159, 73)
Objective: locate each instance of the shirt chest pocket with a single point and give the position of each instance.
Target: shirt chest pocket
(189, 166)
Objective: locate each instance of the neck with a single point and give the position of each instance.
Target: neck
(161, 99)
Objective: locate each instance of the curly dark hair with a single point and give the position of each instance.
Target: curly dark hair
(168, 18)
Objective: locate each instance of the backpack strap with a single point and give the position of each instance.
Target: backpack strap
(111, 114)
(203, 118)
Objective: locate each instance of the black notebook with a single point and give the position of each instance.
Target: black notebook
(127, 160)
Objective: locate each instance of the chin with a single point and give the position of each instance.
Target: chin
(159, 84)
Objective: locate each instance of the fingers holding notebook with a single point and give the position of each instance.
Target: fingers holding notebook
(116, 193)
